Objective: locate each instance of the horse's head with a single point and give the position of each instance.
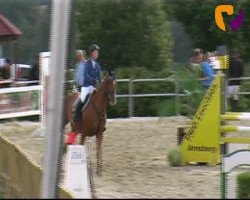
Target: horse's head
(110, 88)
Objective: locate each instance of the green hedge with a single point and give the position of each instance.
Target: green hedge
(243, 185)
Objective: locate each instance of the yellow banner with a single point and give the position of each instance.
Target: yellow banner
(201, 142)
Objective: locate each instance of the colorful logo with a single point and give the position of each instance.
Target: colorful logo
(229, 9)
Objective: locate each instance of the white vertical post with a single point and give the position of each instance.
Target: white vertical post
(44, 63)
(59, 37)
(76, 178)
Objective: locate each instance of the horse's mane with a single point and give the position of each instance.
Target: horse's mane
(104, 80)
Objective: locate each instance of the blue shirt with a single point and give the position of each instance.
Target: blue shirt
(80, 73)
(92, 73)
(207, 71)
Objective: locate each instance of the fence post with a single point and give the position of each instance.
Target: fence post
(131, 98)
(177, 89)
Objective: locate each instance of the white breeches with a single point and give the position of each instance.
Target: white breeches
(85, 91)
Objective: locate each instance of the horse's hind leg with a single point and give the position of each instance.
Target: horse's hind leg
(99, 138)
(82, 139)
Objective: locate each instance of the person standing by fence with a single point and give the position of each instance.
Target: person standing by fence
(81, 60)
(207, 71)
(5, 74)
(215, 62)
(195, 61)
(236, 70)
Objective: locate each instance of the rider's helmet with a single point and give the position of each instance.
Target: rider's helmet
(94, 47)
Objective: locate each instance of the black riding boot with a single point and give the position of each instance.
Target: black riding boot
(77, 110)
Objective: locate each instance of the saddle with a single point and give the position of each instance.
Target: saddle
(85, 103)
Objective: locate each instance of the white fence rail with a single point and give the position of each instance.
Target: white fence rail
(20, 101)
(131, 94)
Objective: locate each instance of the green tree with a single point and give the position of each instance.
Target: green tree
(198, 18)
(131, 33)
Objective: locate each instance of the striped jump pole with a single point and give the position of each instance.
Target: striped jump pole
(231, 128)
(238, 140)
(235, 116)
(238, 113)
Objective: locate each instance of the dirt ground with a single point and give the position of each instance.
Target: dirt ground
(134, 160)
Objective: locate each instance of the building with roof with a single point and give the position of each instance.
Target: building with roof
(8, 35)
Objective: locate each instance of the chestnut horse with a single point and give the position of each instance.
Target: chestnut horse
(92, 121)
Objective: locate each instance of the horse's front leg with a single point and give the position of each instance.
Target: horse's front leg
(82, 139)
(99, 139)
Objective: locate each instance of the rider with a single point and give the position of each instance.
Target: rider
(92, 76)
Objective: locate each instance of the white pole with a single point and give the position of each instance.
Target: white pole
(59, 37)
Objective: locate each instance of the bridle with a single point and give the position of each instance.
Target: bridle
(109, 94)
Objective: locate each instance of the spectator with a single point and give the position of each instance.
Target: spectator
(5, 70)
(236, 70)
(5, 73)
(196, 60)
(34, 72)
(214, 61)
(207, 71)
(81, 60)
